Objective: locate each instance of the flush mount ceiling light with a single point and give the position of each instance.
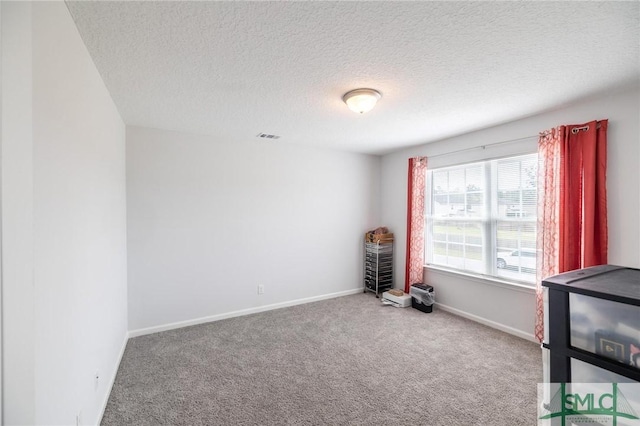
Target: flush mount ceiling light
(361, 100)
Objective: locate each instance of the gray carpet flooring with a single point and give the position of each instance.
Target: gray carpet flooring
(344, 361)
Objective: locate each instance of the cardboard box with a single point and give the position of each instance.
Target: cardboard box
(378, 238)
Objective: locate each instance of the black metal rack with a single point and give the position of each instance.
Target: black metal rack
(378, 266)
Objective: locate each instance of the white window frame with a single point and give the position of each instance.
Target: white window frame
(488, 223)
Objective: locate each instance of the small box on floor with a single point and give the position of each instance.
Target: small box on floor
(403, 301)
(422, 297)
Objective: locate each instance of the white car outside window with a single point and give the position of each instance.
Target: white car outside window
(524, 259)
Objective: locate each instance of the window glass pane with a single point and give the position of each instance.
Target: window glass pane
(529, 170)
(456, 237)
(473, 259)
(517, 197)
(517, 264)
(456, 200)
(453, 257)
(440, 182)
(456, 180)
(475, 204)
(530, 201)
(473, 233)
(474, 178)
(516, 250)
(513, 235)
(458, 192)
(459, 256)
(457, 244)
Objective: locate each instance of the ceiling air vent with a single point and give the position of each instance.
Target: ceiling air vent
(267, 136)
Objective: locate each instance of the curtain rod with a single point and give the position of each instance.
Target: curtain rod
(482, 146)
(546, 132)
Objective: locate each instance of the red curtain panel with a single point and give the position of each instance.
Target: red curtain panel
(572, 203)
(548, 228)
(415, 221)
(583, 196)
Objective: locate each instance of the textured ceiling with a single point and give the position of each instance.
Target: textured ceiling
(236, 69)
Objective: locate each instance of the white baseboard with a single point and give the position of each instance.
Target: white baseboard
(112, 379)
(218, 317)
(489, 323)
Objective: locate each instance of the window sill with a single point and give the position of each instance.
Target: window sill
(484, 279)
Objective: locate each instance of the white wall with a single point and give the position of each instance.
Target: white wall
(75, 303)
(513, 309)
(17, 216)
(208, 221)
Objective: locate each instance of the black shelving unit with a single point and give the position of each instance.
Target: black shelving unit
(588, 308)
(378, 266)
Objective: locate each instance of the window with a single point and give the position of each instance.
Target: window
(481, 217)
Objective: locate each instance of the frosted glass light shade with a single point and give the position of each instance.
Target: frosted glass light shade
(361, 100)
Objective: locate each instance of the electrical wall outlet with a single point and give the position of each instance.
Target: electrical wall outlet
(260, 289)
